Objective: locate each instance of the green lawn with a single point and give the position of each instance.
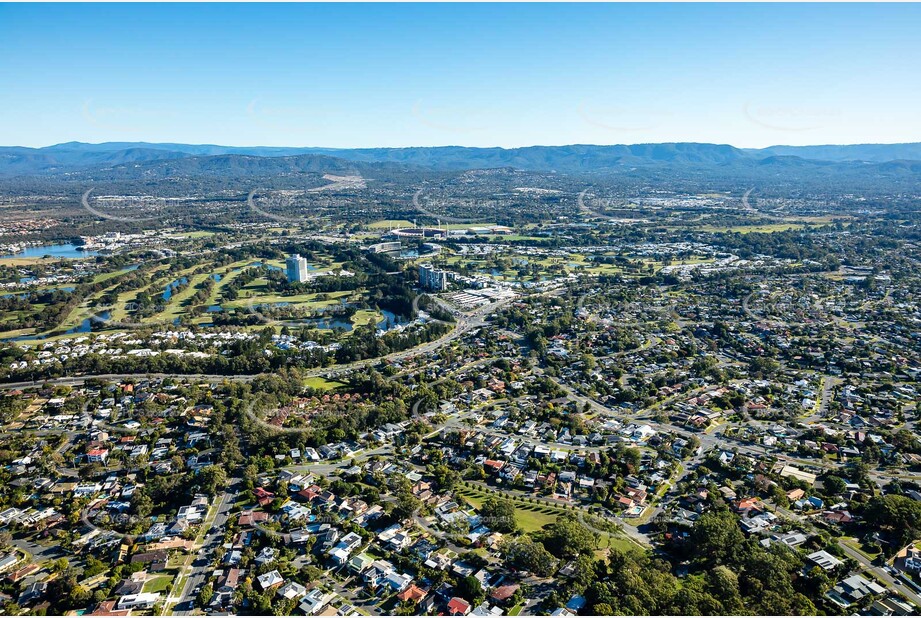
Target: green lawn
(746, 229)
(257, 295)
(389, 223)
(322, 383)
(106, 276)
(861, 547)
(618, 542)
(529, 516)
(178, 302)
(158, 584)
(197, 234)
(533, 517)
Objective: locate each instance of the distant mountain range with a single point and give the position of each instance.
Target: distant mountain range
(164, 159)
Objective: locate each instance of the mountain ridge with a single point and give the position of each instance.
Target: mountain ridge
(575, 158)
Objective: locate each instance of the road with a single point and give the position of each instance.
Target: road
(712, 440)
(464, 324)
(877, 572)
(880, 574)
(202, 567)
(191, 576)
(40, 553)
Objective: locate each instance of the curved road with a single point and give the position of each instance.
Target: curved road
(464, 324)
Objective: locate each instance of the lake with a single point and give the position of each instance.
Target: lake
(329, 323)
(68, 250)
(86, 326)
(390, 320)
(171, 288)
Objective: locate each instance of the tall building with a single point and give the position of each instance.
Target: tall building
(296, 269)
(432, 278)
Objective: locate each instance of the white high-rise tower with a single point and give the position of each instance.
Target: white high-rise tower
(296, 269)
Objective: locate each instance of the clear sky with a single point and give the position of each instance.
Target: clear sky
(360, 75)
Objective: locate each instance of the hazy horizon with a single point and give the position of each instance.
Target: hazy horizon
(485, 147)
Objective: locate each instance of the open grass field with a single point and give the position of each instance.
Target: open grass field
(103, 277)
(256, 292)
(767, 228)
(175, 306)
(529, 516)
(28, 261)
(156, 288)
(547, 267)
(195, 234)
(861, 547)
(608, 542)
(386, 224)
(322, 384)
(534, 516)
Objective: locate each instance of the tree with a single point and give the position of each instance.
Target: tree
(406, 608)
(65, 593)
(406, 506)
(779, 496)
(527, 555)
(899, 515)
(499, 514)
(586, 571)
(603, 609)
(834, 485)
(60, 565)
(211, 479)
(717, 539)
(724, 583)
(445, 477)
(205, 594)
(250, 475)
(469, 588)
(567, 538)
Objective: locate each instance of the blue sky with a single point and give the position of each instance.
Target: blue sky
(362, 75)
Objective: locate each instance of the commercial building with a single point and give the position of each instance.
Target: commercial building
(296, 269)
(386, 247)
